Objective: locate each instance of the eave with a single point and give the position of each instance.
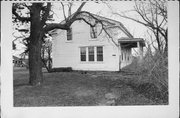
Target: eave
(131, 42)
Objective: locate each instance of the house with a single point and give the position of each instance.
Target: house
(90, 48)
(19, 62)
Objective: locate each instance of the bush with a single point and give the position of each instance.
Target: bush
(152, 71)
(157, 69)
(64, 69)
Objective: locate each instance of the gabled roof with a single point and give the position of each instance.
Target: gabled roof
(116, 23)
(111, 22)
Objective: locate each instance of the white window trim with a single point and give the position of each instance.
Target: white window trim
(95, 55)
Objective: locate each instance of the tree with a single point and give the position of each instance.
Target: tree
(153, 15)
(37, 15)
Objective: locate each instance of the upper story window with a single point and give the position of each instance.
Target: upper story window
(69, 34)
(93, 32)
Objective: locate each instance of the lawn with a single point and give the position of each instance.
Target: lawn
(78, 89)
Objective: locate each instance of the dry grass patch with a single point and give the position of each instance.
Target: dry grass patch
(75, 89)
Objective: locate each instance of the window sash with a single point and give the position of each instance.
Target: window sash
(99, 57)
(100, 53)
(91, 53)
(83, 57)
(83, 53)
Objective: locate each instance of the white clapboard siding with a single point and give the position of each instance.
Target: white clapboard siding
(67, 53)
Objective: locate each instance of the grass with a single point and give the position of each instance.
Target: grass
(77, 89)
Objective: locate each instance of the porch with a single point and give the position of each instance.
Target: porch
(125, 47)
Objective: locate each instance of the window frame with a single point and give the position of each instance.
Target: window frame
(93, 33)
(69, 34)
(95, 54)
(99, 53)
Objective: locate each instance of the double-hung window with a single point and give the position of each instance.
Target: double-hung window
(83, 53)
(99, 53)
(91, 53)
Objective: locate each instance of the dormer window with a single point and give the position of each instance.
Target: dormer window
(69, 34)
(93, 32)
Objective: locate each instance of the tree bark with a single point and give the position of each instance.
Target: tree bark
(35, 63)
(49, 58)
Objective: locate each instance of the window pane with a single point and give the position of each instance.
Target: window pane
(91, 57)
(99, 57)
(83, 53)
(91, 50)
(83, 50)
(99, 50)
(83, 57)
(91, 53)
(100, 53)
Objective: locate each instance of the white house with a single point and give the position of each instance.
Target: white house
(91, 48)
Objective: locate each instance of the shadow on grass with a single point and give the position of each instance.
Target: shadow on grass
(22, 84)
(77, 89)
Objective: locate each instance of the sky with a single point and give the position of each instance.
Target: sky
(136, 29)
(102, 9)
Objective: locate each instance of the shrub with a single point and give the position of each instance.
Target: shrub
(153, 70)
(64, 69)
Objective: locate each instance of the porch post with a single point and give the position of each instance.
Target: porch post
(120, 53)
(140, 51)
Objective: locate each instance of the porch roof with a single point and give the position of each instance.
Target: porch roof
(131, 42)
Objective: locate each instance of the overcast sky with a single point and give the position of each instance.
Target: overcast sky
(137, 30)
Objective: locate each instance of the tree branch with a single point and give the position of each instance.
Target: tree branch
(46, 14)
(64, 11)
(20, 18)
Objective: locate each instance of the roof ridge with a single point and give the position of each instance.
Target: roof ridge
(123, 28)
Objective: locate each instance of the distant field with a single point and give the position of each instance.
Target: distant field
(78, 89)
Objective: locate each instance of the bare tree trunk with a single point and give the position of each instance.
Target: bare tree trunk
(35, 64)
(49, 58)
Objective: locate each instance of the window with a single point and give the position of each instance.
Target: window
(83, 53)
(100, 53)
(91, 53)
(93, 32)
(69, 34)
